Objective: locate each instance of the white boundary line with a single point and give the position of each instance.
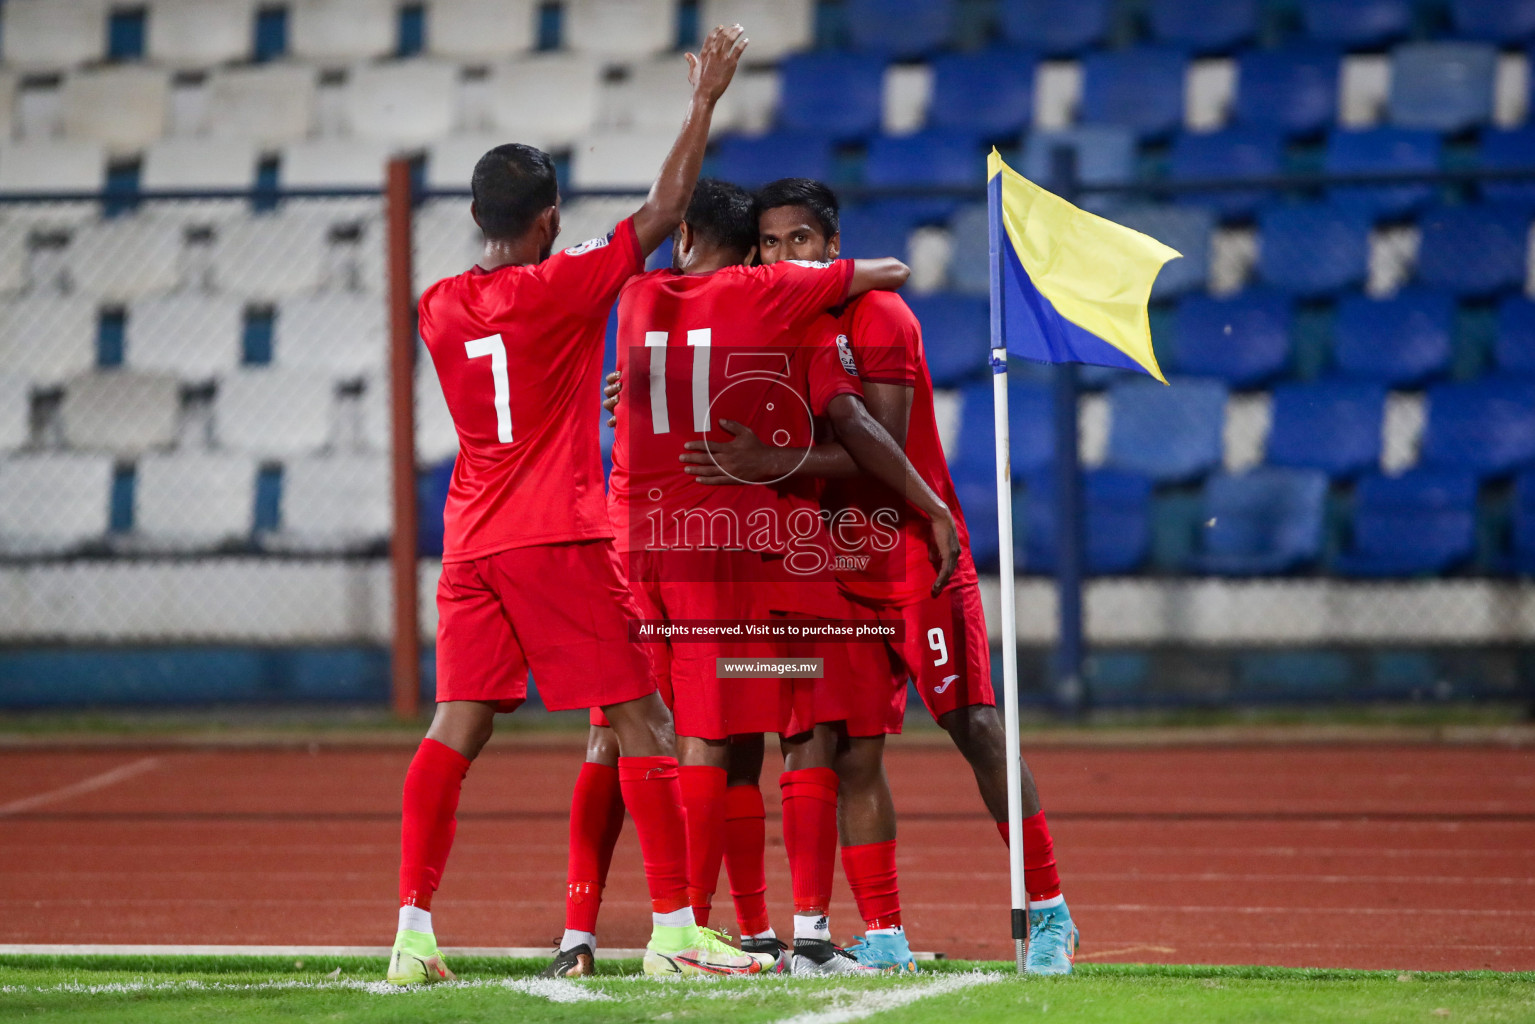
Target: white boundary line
(90, 785)
(520, 952)
(872, 1001)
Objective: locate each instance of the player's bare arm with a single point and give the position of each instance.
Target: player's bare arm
(886, 274)
(709, 72)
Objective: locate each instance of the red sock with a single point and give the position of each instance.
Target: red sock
(746, 856)
(703, 805)
(1040, 878)
(427, 822)
(810, 834)
(654, 800)
(870, 870)
(596, 818)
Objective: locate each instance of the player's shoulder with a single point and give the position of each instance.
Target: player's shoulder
(882, 306)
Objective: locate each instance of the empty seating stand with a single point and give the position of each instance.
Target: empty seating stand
(1294, 89)
(855, 79)
(1443, 87)
(1357, 23)
(1206, 26)
(1170, 433)
(1485, 427)
(1244, 340)
(901, 28)
(1498, 21)
(1139, 89)
(956, 335)
(1419, 523)
(1056, 26)
(1263, 522)
(1117, 518)
(1514, 350)
(1313, 250)
(54, 503)
(1476, 251)
(1403, 340)
(1334, 426)
(988, 95)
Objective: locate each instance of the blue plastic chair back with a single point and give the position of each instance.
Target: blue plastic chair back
(1117, 518)
(1168, 433)
(970, 258)
(900, 28)
(1356, 23)
(1207, 26)
(1383, 151)
(835, 94)
(871, 232)
(1422, 521)
(1514, 350)
(1105, 154)
(1486, 427)
(1403, 340)
(1264, 521)
(1219, 156)
(1055, 26)
(925, 160)
(1294, 90)
(977, 494)
(1137, 89)
(1334, 426)
(988, 94)
(1187, 229)
(1498, 21)
(956, 335)
(752, 161)
(1313, 250)
(1031, 424)
(1524, 523)
(1442, 87)
(1509, 151)
(1474, 250)
(1244, 340)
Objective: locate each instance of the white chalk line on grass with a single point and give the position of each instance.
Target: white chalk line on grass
(869, 1002)
(555, 990)
(107, 778)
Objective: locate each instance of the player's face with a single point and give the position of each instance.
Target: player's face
(793, 233)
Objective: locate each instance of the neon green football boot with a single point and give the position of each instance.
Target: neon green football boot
(416, 960)
(691, 950)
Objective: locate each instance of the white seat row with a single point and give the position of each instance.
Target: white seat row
(201, 33)
(54, 503)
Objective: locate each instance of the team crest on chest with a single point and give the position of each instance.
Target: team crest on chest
(845, 353)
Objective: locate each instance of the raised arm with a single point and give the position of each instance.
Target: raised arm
(881, 275)
(710, 73)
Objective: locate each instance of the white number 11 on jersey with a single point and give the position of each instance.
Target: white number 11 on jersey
(494, 347)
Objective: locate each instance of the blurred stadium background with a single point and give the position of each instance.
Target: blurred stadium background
(1334, 502)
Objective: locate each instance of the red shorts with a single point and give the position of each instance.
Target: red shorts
(944, 649)
(559, 610)
(719, 585)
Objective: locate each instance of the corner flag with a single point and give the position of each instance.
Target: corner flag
(1074, 286)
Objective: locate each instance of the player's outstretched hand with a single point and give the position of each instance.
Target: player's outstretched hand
(943, 550)
(744, 459)
(612, 385)
(710, 70)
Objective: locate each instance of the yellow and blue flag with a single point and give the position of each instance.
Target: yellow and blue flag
(1068, 286)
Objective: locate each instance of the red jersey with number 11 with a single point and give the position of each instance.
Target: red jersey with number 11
(519, 353)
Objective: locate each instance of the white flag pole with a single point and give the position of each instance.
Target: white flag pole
(1020, 914)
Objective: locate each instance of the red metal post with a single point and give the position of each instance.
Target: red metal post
(405, 659)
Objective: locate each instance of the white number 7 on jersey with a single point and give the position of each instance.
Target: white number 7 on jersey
(494, 347)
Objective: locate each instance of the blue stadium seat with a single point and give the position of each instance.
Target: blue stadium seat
(1222, 156)
(1313, 250)
(1294, 90)
(1332, 425)
(751, 161)
(1243, 340)
(956, 335)
(1105, 154)
(869, 231)
(1524, 524)
(835, 94)
(1357, 23)
(988, 94)
(900, 28)
(1404, 340)
(970, 260)
(1474, 250)
(1486, 427)
(977, 495)
(1187, 229)
(1498, 21)
(1138, 89)
(1056, 26)
(1169, 433)
(1383, 151)
(924, 160)
(1419, 523)
(1031, 424)
(1509, 151)
(1118, 522)
(1442, 87)
(1514, 350)
(1206, 26)
(1262, 522)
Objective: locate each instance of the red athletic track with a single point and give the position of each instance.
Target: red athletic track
(1377, 857)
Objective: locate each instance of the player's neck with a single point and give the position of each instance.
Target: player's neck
(708, 261)
(518, 252)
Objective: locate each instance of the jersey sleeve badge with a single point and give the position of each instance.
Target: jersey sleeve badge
(845, 353)
(589, 245)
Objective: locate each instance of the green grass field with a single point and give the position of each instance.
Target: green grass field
(346, 989)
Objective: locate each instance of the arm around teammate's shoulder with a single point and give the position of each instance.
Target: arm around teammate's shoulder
(881, 275)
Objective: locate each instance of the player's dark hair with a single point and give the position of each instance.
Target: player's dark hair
(813, 195)
(512, 185)
(723, 215)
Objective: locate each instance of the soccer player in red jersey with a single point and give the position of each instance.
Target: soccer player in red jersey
(530, 580)
(945, 648)
(718, 343)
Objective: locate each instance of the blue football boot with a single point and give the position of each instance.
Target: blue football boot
(1053, 941)
(885, 951)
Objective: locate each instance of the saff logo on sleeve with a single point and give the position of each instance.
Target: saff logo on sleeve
(589, 245)
(845, 353)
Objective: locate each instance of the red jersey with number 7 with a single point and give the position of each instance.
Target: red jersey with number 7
(518, 350)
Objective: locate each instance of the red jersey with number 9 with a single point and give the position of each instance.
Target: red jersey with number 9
(519, 353)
